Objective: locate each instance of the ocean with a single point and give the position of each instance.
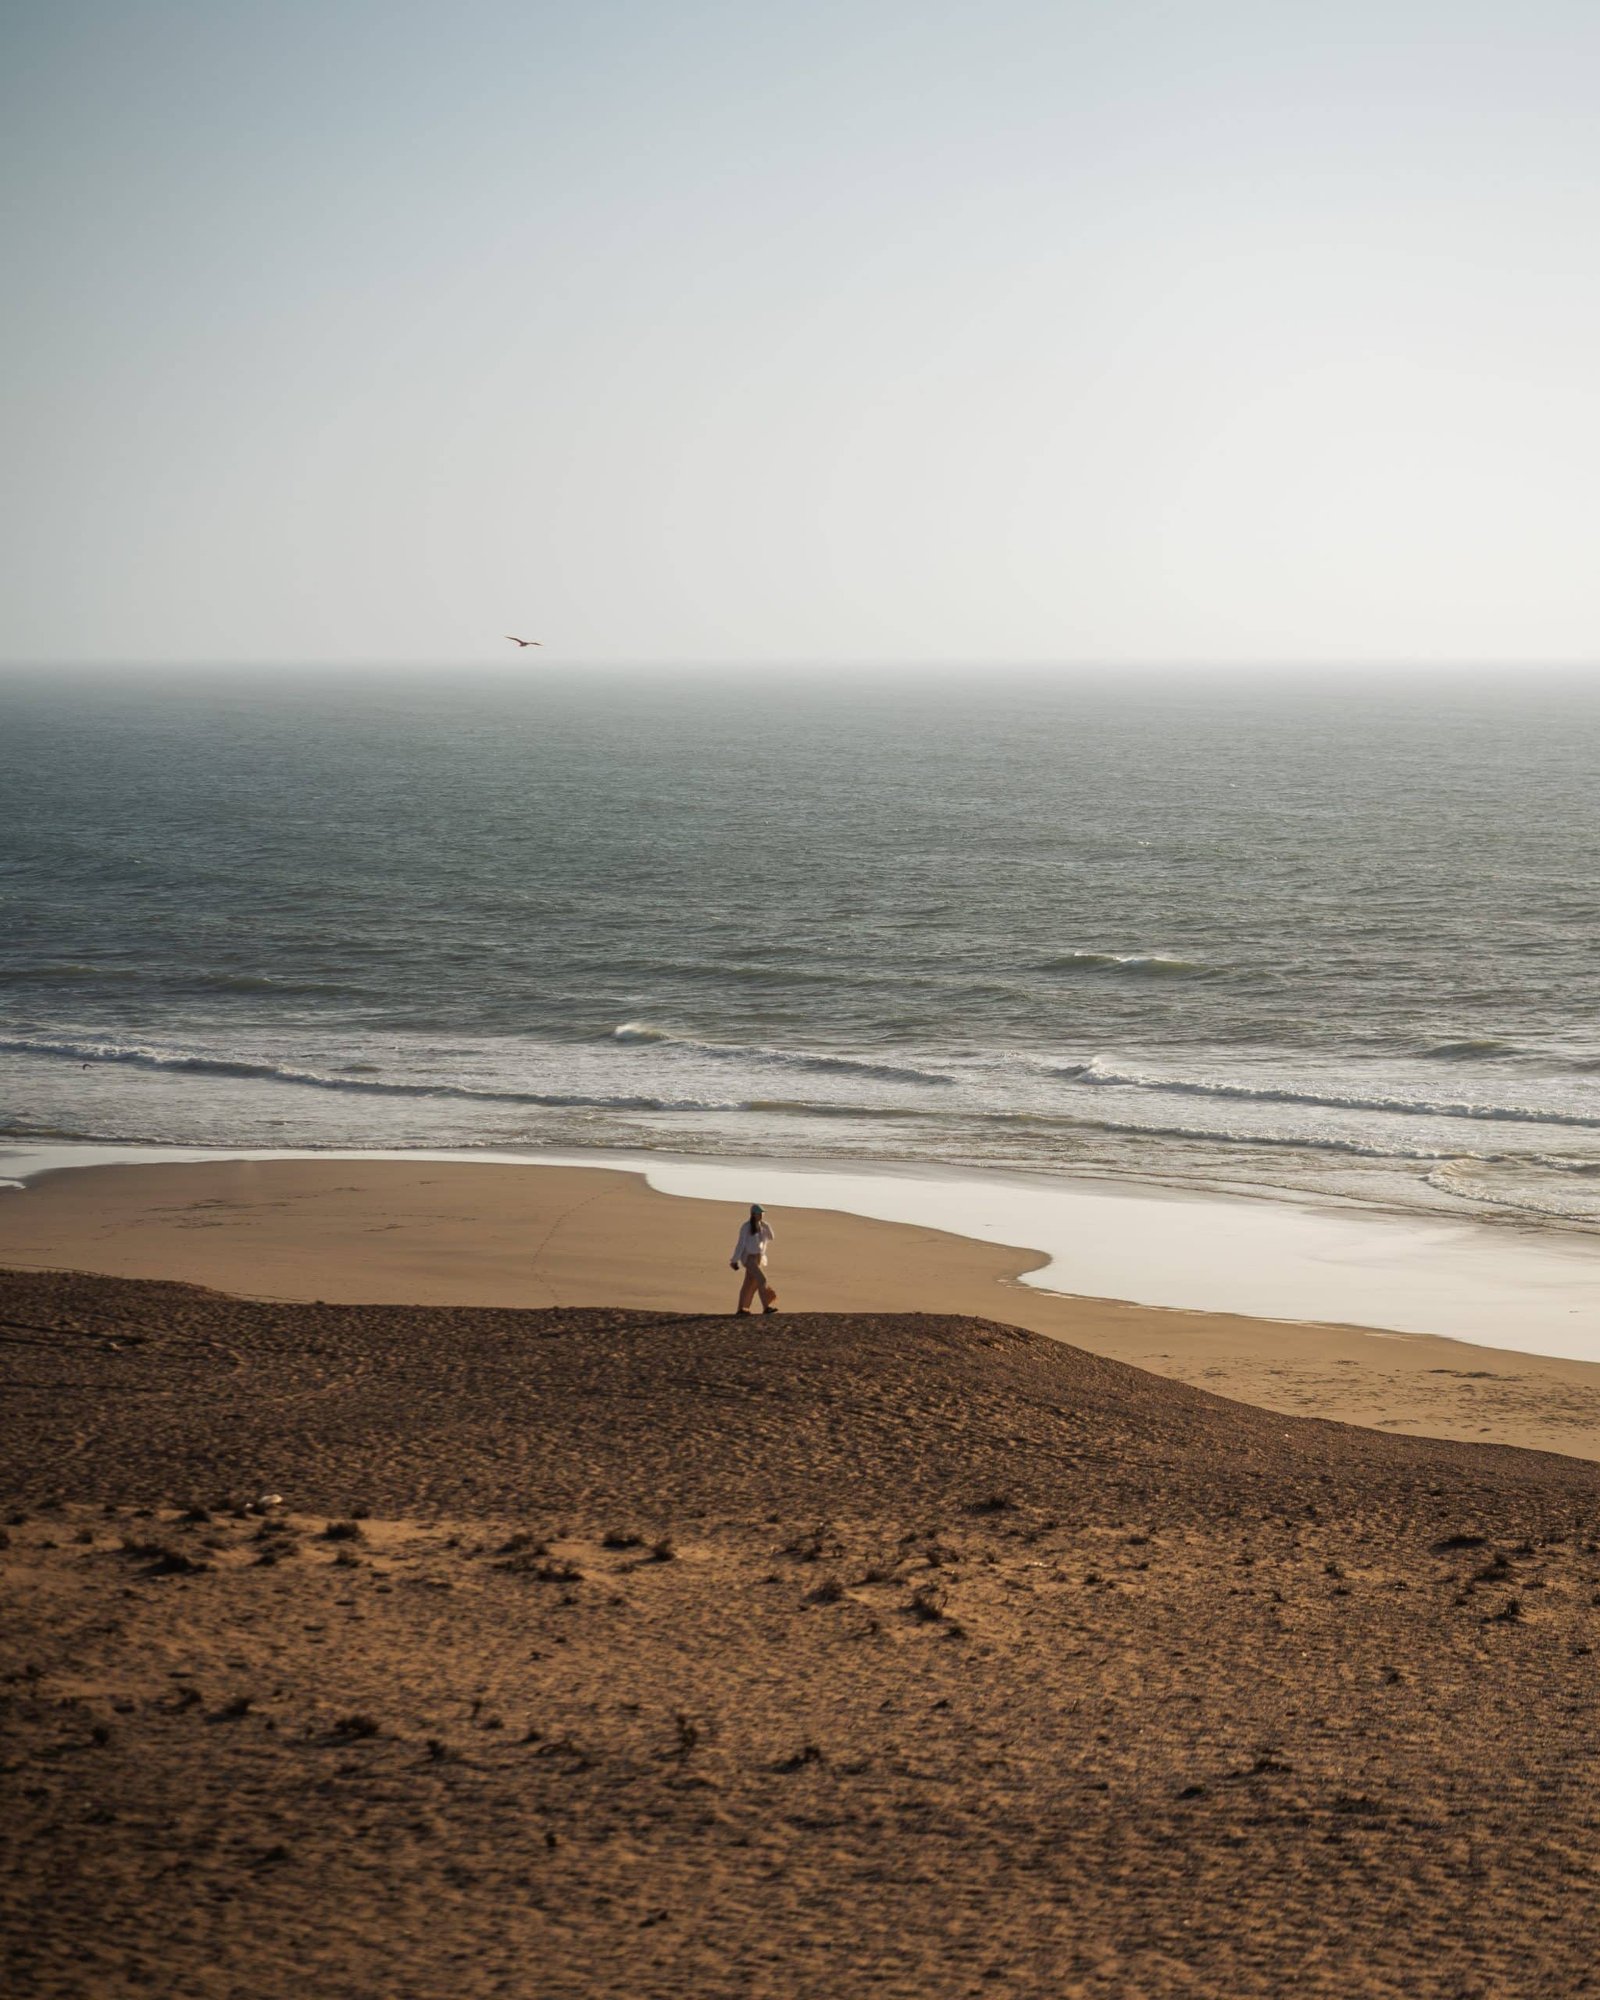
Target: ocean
(1330, 937)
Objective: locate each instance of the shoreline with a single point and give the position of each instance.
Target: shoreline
(1269, 1256)
(421, 1230)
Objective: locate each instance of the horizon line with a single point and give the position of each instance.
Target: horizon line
(811, 662)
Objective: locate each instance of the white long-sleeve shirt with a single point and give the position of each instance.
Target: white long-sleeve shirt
(753, 1241)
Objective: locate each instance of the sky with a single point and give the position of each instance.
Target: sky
(683, 330)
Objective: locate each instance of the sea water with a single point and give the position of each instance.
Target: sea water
(1334, 935)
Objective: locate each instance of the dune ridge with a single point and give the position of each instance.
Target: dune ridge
(593, 1652)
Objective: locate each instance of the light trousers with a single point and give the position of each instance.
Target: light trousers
(755, 1280)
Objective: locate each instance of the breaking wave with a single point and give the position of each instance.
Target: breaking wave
(1106, 1075)
(817, 1061)
(191, 1063)
(71, 973)
(1454, 1177)
(1137, 964)
(1485, 1049)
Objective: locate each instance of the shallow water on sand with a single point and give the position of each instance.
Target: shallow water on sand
(1532, 1292)
(1335, 939)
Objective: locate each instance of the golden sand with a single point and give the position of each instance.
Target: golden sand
(597, 1652)
(387, 1232)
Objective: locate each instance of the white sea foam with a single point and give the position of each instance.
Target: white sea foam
(1392, 1103)
(640, 1031)
(89, 1052)
(654, 1067)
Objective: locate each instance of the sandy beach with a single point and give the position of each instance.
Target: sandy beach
(447, 1650)
(415, 1580)
(387, 1232)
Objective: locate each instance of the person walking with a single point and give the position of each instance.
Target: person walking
(750, 1256)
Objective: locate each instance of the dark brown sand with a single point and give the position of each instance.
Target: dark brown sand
(599, 1652)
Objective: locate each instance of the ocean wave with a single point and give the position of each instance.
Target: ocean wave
(261, 982)
(1485, 1048)
(1449, 1179)
(363, 1076)
(1211, 1135)
(1308, 1142)
(723, 972)
(188, 1062)
(1138, 964)
(881, 1114)
(1096, 1072)
(60, 971)
(817, 1061)
(826, 1065)
(65, 972)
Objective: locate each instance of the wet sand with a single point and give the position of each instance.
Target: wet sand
(430, 1232)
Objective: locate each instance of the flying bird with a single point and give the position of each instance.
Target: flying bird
(523, 642)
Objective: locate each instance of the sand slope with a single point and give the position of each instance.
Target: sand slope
(825, 1655)
(492, 1234)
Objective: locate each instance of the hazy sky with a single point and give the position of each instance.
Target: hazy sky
(677, 329)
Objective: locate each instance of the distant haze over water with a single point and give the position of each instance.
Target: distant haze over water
(1334, 937)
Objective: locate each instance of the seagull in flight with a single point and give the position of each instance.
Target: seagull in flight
(523, 642)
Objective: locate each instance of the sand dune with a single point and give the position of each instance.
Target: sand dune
(603, 1652)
